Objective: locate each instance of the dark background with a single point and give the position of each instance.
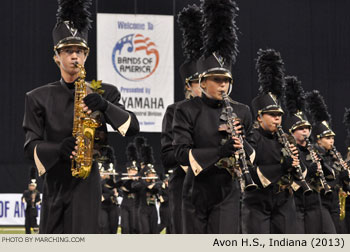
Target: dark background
(313, 37)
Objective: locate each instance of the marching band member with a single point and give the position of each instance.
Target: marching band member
(270, 209)
(199, 141)
(333, 168)
(32, 199)
(70, 204)
(308, 207)
(129, 223)
(189, 20)
(148, 189)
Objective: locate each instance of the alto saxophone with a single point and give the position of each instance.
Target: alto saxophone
(342, 194)
(83, 130)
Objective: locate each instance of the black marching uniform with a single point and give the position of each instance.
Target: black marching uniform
(308, 205)
(164, 211)
(190, 23)
(31, 213)
(212, 191)
(272, 205)
(330, 202)
(65, 197)
(330, 164)
(178, 173)
(271, 208)
(147, 211)
(70, 204)
(128, 207)
(109, 216)
(310, 219)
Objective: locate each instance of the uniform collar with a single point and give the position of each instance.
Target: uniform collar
(266, 133)
(211, 102)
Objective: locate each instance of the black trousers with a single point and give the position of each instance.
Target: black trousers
(267, 211)
(331, 211)
(109, 218)
(148, 219)
(175, 201)
(71, 208)
(128, 216)
(30, 219)
(164, 214)
(309, 213)
(222, 217)
(189, 217)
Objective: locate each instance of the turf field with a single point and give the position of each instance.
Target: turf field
(21, 230)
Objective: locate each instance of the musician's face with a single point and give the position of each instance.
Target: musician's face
(326, 142)
(195, 89)
(300, 134)
(269, 121)
(151, 174)
(67, 57)
(31, 187)
(214, 85)
(132, 172)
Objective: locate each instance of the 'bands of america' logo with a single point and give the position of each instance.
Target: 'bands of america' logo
(135, 57)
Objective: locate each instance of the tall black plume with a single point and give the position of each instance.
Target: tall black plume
(219, 28)
(76, 12)
(190, 24)
(270, 69)
(294, 95)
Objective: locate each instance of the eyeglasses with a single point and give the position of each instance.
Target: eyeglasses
(70, 51)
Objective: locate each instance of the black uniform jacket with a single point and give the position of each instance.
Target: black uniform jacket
(267, 164)
(48, 119)
(167, 149)
(27, 196)
(197, 141)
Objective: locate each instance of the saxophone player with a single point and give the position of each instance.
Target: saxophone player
(70, 204)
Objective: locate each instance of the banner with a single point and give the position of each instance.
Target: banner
(12, 209)
(136, 54)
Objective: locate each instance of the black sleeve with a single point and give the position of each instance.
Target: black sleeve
(33, 125)
(116, 114)
(183, 125)
(167, 150)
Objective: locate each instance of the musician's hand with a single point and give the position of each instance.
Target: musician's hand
(312, 169)
(66, 148)
(228, 149)
(294, 150)
(296, 161)
(315, 156)
(93, 102)
(151, 186)
(238, 126)
(237, 144)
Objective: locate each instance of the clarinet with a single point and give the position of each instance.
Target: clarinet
(325, 186)
(341, 160)
(282, 136)
(243, 174)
